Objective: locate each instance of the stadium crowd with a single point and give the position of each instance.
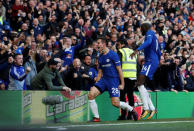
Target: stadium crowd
(37, 36)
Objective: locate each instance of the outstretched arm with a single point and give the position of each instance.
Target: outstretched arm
(146, 43)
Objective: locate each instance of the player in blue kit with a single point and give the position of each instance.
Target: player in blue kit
(109, 78)
(152, 58)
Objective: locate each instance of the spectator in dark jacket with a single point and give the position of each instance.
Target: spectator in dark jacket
(74, 76)
(176, 84)
(86, 67)
(162, 72)
(41, 59)
(190, 79)
(4, 69)
(190, 82)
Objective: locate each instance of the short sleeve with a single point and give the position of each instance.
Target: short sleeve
(116, 59)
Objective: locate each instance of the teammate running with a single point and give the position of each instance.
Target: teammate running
(152, 58)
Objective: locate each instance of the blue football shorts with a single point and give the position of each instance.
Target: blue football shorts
(110, 84)
(148, 69)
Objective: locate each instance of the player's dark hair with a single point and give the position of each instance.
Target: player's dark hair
(145, 27)
(103, 40)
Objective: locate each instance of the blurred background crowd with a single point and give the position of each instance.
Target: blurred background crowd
(32, 32)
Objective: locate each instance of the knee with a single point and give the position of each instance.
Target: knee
(91, 96)
(2, 87)
(141, 80)
(94, 92)
(139, 83)
(116, 103)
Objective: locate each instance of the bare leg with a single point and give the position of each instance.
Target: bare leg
(94, 92)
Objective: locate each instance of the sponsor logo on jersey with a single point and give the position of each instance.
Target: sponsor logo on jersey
(107, 65)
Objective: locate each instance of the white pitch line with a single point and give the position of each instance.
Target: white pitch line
(61, 129)
(119, 124)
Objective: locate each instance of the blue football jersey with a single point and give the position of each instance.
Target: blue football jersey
(151, 47)
(108, 64)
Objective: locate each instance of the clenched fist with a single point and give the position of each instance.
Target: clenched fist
(121, 87)
(28, 69)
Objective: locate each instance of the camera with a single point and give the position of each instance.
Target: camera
(52, 100)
